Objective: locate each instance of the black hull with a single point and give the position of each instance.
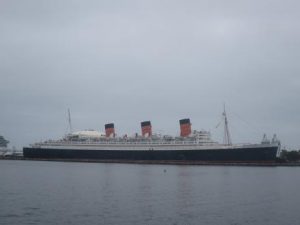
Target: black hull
(263, 154)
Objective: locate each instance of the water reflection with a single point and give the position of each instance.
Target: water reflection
(91, 193)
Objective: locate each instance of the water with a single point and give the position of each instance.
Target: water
(33, 192)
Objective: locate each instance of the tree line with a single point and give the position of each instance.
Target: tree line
(290, 156)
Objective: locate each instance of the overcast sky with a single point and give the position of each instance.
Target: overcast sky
(128, 61)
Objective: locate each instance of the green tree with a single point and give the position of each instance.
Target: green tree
(290, 156)
(3, 142)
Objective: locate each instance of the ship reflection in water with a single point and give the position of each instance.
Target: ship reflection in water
(35, 192)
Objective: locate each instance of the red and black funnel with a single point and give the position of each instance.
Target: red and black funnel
(185, 127)
(146, 129)
(110, 130)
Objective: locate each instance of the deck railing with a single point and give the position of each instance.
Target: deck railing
(126, 143)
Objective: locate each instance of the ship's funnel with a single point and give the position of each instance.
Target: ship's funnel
(185, 127)
(110, 130)
(146, 129)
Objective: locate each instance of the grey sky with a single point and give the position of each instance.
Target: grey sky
(129, 61)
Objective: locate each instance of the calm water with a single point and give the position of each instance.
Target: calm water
(90, 193)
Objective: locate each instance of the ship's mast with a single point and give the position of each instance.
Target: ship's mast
(69, 120)
(227, 138)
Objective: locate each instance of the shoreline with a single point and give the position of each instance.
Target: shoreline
(161, 162)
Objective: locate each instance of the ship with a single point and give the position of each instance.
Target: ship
(189, 146)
